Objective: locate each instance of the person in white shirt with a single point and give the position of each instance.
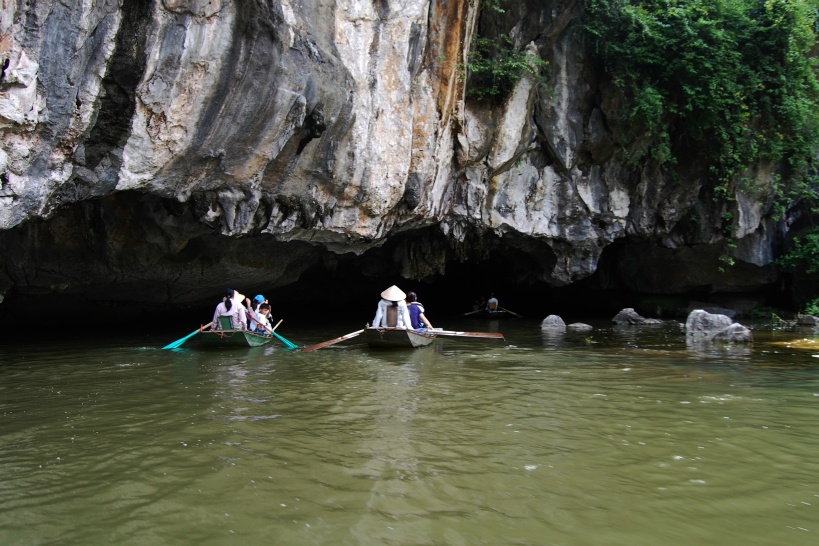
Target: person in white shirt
(392, 310)
(262, 318)
(232, 307)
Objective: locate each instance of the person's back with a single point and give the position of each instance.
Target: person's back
(392, 310)
(416, 312)
(492, 303)
(231, 307)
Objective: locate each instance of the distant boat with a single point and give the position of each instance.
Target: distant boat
(398, 338)
(487, 314)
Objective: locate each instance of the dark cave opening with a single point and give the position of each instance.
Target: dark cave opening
(132, 261)
(345, 293)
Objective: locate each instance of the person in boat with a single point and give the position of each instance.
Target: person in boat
(492, 303)
(416, 310)
(262, 317)
(252, 309)
(232, 307)
(392, 310)
(248, 308)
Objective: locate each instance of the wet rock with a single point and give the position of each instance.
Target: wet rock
(705, 326)
(735, 333)
(630, 316)
(807, 320)
(553, 323)
(579, 327)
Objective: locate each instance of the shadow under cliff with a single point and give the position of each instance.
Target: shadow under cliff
(140, 262)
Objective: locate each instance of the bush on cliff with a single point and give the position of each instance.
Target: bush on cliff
(737, 76)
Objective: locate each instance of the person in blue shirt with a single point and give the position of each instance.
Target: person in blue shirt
(416, 311)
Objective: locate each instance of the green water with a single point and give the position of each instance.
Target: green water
(620, 436)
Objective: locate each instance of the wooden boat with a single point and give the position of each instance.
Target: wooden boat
(491, 315)
(398, 338)
(231, 338)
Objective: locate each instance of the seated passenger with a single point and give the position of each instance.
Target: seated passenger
(262, 317)
(231, 307)
(492, 303)
(416, 311)
(392, 310)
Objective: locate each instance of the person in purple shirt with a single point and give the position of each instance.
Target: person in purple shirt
(416, 311)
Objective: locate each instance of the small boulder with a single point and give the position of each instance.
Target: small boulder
(735, 333)
(630, 316)
(553, 323)
(580, 327)
(808, 320)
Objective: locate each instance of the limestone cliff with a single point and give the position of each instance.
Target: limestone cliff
(179, 144)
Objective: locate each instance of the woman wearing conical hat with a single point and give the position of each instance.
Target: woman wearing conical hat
(231, 306)
(392, 310)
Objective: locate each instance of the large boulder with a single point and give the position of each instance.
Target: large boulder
(702, 325)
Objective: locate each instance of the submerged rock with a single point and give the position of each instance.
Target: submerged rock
(630, 316)
(580, 327)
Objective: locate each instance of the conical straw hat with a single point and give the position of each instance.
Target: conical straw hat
(393, 293)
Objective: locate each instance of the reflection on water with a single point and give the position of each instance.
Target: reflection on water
(614, 436)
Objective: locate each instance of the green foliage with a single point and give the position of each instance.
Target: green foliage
(494, 5)
(736, 76)
(812, 307)
(495, 66)
(804, 252)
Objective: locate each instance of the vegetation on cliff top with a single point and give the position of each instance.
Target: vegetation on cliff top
(734, 78)
(734, 75)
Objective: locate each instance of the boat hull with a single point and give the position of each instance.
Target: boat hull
(397, 338)
(491, 315)
(232, 338)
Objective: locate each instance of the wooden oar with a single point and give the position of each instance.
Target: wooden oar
(332, 341)
(510, 312)
(486, 335)
(178, 343)
(472, 312)
(289, 344)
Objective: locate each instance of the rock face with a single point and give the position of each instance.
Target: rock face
(177, 144)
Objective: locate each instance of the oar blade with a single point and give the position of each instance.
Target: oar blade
(332, 341)
(287, 343)
(178, 343)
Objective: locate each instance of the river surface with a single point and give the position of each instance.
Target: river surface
(619, 436)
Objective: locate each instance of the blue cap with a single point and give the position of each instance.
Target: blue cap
(259, 298)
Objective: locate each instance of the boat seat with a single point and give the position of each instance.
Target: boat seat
(225, 323)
